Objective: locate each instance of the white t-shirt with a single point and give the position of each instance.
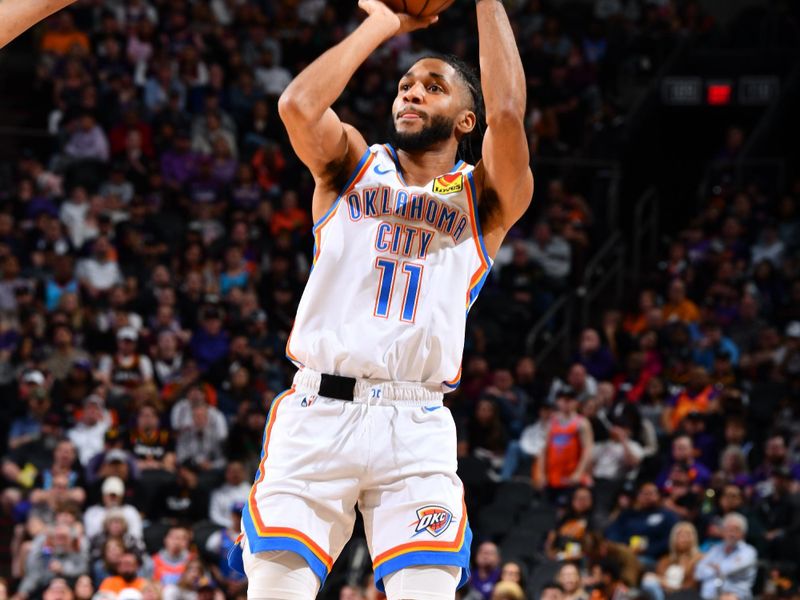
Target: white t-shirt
(609, 459)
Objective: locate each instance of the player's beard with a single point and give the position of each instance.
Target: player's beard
(438, 130)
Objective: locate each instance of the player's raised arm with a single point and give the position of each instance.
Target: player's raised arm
(505, 165)
(321, 140)
(18, 15)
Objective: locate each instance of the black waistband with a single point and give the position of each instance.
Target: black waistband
(334, 386)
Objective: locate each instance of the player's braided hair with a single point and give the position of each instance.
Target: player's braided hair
(469, 148)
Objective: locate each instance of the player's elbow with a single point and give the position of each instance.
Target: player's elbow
(294, 107)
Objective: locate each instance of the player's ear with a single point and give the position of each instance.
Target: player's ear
(466, 122)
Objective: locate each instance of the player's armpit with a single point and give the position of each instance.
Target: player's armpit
(505, 167)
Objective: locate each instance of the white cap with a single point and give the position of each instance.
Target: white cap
(129, 594)
(113, 485)
(35, 377)
(793, 329)
(127, 333)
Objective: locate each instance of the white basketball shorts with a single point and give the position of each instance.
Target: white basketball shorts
(392, 450)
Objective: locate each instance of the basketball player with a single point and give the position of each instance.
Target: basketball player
(18, 15)
(404, 239)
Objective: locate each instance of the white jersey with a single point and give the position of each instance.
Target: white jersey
(396, 269)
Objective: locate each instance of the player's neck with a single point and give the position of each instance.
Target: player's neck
(421, 167)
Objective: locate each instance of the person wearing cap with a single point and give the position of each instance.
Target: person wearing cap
(710, 341)
(113, 500)
(126, 369)
(565, 462)
(210, 342)
(89, 433)
(33, 389)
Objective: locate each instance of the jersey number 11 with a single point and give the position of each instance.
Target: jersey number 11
(388, 269)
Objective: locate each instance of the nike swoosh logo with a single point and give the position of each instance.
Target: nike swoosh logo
(378, 170)
(430, 409)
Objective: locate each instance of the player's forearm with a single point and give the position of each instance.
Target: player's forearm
(18, 15)
(320, 84)
(502, 74)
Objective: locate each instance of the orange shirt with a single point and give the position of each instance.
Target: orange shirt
(58, 42)
(563, 451)
(115, 584)
(686, 404)
(686, 311)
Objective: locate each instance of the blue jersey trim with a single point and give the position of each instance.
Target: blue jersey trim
(353, 175)
(428, 558)
(267, 544)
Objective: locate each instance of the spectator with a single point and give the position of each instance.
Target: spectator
(552, 591)
(645, 527)
(170, 562)
(675, 571)
(514, 572)
(597, 359)
(87, 141)
(127, 576)
(233, 492)
(698, 396)
(678, 307)
(56, 553)
(113, 494)
(730, 566)
(780, 514)
(151, 444)
(507, 590)
(776, 457)
(89, 433)
(487, 570)
(126, 370)
(99, 273)
(565, 542)
(569, 577)
(64, 354)
(201, 444)
(683, 455)
(568, 451)
(611, 586)
(219, 545)
(552, 252)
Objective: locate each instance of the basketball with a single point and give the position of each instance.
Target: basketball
(419, 8)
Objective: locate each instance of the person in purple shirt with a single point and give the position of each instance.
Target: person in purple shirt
(683, 454)
(487, 570)
(597, 359)
(210, 342)
(179, 164)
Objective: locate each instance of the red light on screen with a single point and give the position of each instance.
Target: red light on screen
(719, 94)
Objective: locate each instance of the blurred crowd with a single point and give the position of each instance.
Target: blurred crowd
(152, 259)
(667, 456)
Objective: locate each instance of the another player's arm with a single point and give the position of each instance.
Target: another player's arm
(18, 15)
(325, 144)
(505, 167)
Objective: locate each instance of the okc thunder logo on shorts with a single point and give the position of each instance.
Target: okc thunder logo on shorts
(433, 519)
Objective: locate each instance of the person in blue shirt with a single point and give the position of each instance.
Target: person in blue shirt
(645, 528)
(730, 566)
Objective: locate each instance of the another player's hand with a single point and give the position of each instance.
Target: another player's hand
(404, 23)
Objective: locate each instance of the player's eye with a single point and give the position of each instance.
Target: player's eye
(434, 88)
(404, 87)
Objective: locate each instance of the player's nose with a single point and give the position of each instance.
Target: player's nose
(415, 93)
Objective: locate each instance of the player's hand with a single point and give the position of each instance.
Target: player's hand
(402, 22)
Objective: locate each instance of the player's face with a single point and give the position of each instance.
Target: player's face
(429, 105)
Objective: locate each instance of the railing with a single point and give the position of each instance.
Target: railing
(645, 232)
(553, 328)
(606, 267)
